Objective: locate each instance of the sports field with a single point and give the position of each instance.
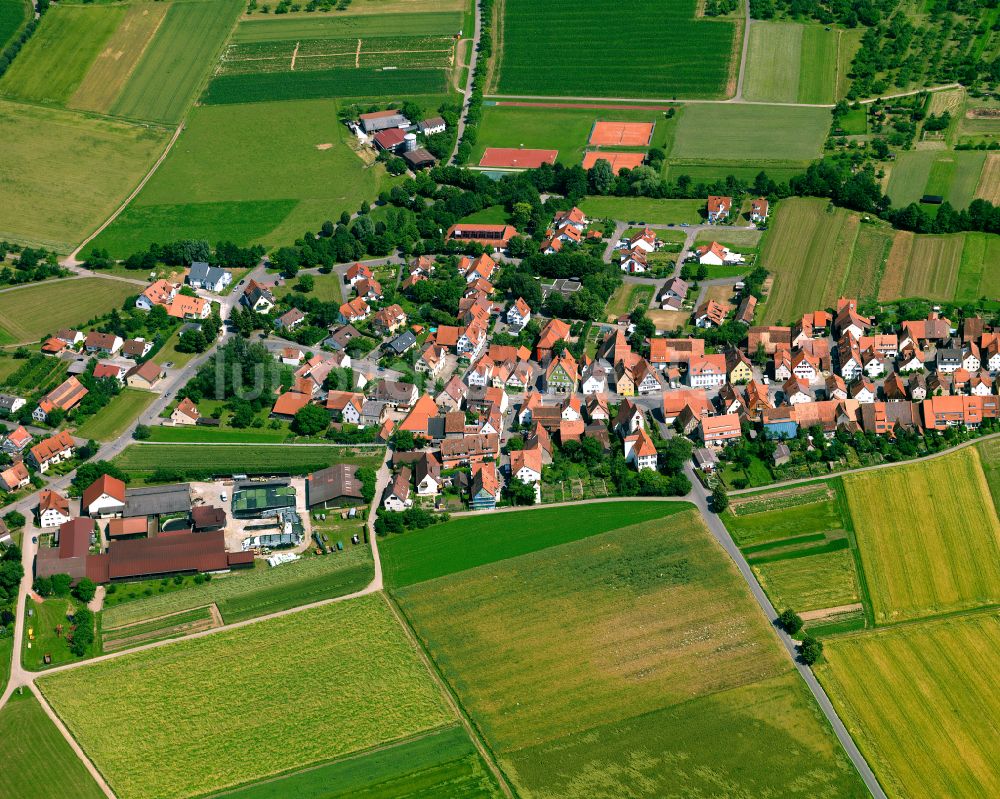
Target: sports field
(564, 129)
(808, 249)
(245, 594)
(28, 313)
(922, 266)
(142, 459)
(243, 704)
(177, 60)
(751, 133)
(921, 703)
(621, 134)
(544, 54)
(618, 161)
(462, 544)
(629, 658)
(37, 761)
(792, 63)
(110, 422)
(223, 180)
(58, 55)
(934, 545)
(644, 209)
(950, 174)
(64, 173)
(516, 158)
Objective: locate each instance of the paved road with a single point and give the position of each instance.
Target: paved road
(473, 61)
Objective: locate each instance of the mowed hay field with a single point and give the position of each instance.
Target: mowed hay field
(979, 270)
(37, 761)
(814, 582)
(928, 535)
(635, 657)
(63, 173)
(561, 48)
(921, 703)
(58, 55)
(988, 187)
(29, 313)
(808, 249)
(177, 60)
(741, 133)
(922, 266)
(791, 63)
(223, 180)
(244, 704)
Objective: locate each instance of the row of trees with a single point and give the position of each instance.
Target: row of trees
(182, 253)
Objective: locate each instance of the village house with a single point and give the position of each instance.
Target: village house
(718, 208)
(758, 210)
(345, 406)
(718, 431)
(397, 493)
(708, 371)
(15, 477)
(746, 310)
(485, 490)
(53, 509)
(519, 314)
(11, 404)
(355, 310)
(66, 396)
(52, 450)
(526, 465)
(16, 441)
(715, 254)
(104, 497)
(796, 390)
(145, 376)
(640, 451)
(186, 412)
(389, 319)
(289, 320)
(634, 261)
(210, 278)
(495, 237)
(257, 298)
(710, 314)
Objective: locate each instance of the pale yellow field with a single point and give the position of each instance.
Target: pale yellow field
(929, 537)
(922, 266)
(921, 703)
(115, 63)
(989, 181)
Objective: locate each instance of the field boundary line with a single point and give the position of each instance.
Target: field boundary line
(477, 738)
(295, 53)
(940, 618)
(153, 618)
(357, 55)
(73, 743)
(71, 259)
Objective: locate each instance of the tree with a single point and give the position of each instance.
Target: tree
(720, 499)
(403, 441)
(14, 520)
(87, 473)
(61, 584)
(810, 649)
(520, 493)
(310, 420)
(305, 284)
(83, 634)
(42, 586)
(141, 432)
(789, 621)
(85, 590)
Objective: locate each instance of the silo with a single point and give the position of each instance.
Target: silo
(410, 142)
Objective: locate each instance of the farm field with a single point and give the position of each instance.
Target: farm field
(808, 251)
(223, 180)
(210, 435)
(32, 311)
(868, 262)
(541, 55)
(979, 269)
(461, 544)
(790, 63)
(759, 134)
(63, 173)
(110, 422)
(142, 459)
(785, 513)
(116, 61)
(173, 626)
(544, 652)
(952, 174)
(989, 460)
(564, 129)
(825, 580)
(922, 266)
(948, 561)
(441, 763)
(37, 761)
(58, 55)
(711, 171)
(644, 209)
(256, 592)
(920, 705)
(198, 723)
(989, 181)
(13, 14)
(177, 60)
(289, 27)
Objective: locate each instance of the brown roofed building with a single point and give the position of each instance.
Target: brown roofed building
(334, 486)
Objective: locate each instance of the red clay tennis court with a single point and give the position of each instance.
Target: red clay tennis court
(622, 134)
(618, 161)
(516, 158)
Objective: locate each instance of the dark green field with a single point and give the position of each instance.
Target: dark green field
(565, 48)
(13, 14)
(442, 763)
(475, 540)
(319, 84)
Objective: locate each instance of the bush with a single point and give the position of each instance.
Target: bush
(85, 590)
(83, 635)
(42, 586)
(14, 520)
(61, 584)
(141, 432)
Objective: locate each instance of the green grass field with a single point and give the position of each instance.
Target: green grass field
(564, 129)
(808, 250)
(627, 297)
(644, 209)
(110, 422)
(934, 545)
(791, 63)
(867, 264)
(825, 580)
(257, 592)
(461, 544)
(216, 435)
(620, 660)
(920, 704)
(979, 269)
(64, 173)
(953, 175)
(47, 640)
(542, 55)
(56, 58)
(223, 180)
(177, 60)
(30, 312)
(326, 288)
(194, 706)
(341, 27)
(785, 513)
(441, 763)
(13, 14)
(989, 461)
(37, 761)
(142, 459)
(759, 134)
